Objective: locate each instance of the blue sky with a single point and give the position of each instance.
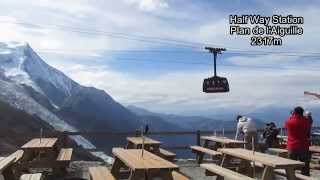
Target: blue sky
(163, 76)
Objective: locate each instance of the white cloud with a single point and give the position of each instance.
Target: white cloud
(190, 22)
(264, 60)
(149, 5)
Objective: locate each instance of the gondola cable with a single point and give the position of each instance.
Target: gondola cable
(146, 39)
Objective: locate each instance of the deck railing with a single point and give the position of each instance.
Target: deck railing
(174, 140)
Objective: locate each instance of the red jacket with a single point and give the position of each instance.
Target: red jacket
(298, 133)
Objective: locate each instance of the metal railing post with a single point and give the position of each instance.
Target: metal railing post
(64, 139)
(198, 137)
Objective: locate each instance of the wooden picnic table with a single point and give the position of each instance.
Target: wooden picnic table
(40, 143)
(149, 144)
(221, 142)
(148, 166)
(270, 162)
(40, 152)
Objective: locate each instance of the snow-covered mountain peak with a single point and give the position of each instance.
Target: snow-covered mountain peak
(22, 65)
(12, 58)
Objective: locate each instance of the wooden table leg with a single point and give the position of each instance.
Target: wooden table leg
(205, 144)
(166, 175)
(156, 148)
(225, 160)
(137, 146)
(290, 173)
(147, 147)
(267, 173)
(115, 169)
(28, 156)
(201, 155)
(245, 168)
(8, 174)
(130, 145)
(217, 146)
(220, 178)
(137, 175)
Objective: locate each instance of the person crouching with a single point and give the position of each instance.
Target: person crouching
(247, 127)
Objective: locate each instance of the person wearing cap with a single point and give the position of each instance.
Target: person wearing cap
(298, 130)
(248, 128)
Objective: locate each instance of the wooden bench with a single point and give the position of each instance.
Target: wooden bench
(201, 151)
(179, 176)
(149, 164)
(170, 156)
(18, 155)
(7, 162)
(282, 172)
(100, 173)
(37, 176)
(65, 155)
(221, 173)
(63, 160)
(12, 158)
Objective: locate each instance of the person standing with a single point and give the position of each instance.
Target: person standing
(270, 134)
(298, 130)
(248, 128)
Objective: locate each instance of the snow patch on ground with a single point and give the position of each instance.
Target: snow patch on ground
(103, 156)
(81, 141)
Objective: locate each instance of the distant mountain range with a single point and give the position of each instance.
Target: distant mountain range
(193, 123)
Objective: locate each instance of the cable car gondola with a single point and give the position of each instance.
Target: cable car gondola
(215, 84)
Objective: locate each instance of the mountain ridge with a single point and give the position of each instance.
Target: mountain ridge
(193, 122)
